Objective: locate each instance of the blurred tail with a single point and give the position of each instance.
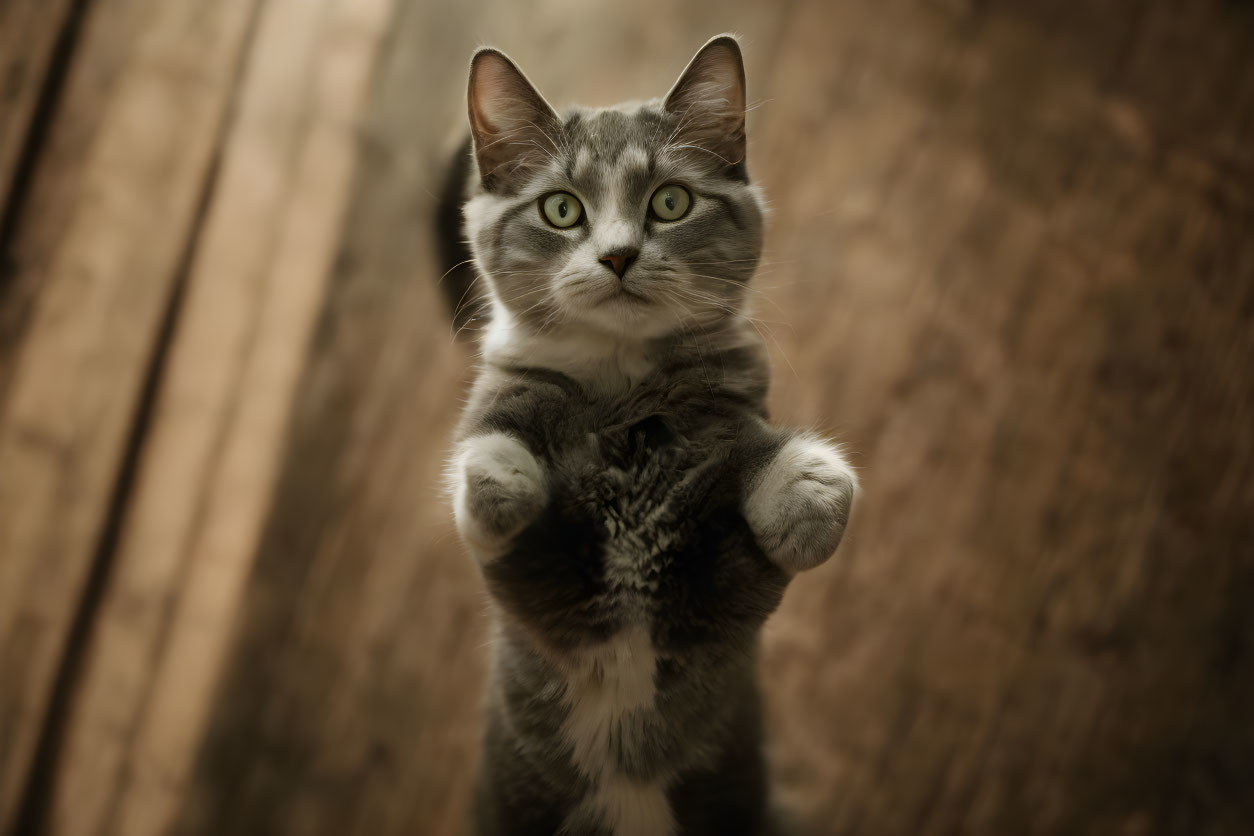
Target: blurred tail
(457, 270)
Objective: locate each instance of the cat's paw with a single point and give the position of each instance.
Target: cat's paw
(498, 489)
(799, 504)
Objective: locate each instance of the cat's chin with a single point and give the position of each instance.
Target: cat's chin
(620, 312)
(588, 294)
(627, 318)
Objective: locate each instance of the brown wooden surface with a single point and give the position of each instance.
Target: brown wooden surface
(1011, 265)
(29, 33)
(35, 39)
(112, 211)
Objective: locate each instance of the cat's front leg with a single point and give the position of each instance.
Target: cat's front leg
(799, 503)
(498, 488)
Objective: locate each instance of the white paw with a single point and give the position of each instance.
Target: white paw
(498, 488)
(799, 504)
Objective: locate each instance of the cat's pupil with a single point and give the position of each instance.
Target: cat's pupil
(670, 200)
(561, 208)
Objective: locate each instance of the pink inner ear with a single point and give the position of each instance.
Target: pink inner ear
(510, 121)
(720, 81)
(719, 93)
(489, 93)
(713, 82)
(495, 95)
(502, 98)
(709, 98)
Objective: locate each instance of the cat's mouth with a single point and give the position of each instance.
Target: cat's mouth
(629, 294)
(620, 292)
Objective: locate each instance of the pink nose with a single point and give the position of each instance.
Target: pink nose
(618, 262)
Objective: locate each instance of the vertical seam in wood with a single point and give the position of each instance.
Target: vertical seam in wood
(37, 794)
(37, 131)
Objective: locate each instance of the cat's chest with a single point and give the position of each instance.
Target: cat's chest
(612, 727)
(596, 362)
(609, 688)
(647, 512)
(638, 538)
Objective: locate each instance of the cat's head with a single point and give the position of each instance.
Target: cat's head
(635, 221)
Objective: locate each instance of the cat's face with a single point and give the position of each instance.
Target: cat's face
(635, 221)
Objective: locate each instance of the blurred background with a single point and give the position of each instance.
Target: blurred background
(1010, 264)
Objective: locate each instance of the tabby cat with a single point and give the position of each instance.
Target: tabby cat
(635, 517)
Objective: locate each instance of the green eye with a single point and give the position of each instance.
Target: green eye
(561, 209)
(670, 203)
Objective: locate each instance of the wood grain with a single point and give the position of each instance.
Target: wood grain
(254, 288)
(102, 294)
(35, 41)
(29, 33)
(1019, 325)
(1010, 265)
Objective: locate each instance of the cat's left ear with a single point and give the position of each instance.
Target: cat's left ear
(513, 127)
(709, 99)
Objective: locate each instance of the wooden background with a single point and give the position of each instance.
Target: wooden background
(1011, 264)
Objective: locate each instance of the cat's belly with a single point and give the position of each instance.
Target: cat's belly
(612, 730)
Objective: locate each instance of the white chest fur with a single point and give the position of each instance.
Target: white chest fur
(610, 692)
(610, 360)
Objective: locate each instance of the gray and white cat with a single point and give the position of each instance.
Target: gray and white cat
(635, 517)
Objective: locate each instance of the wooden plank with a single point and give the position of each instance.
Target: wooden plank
(1028, 331)
(206, 475)
(29, 33)
(124, 217)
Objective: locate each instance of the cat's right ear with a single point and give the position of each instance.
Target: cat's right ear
(513, 127)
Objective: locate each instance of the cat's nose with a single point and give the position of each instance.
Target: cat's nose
(619, 260)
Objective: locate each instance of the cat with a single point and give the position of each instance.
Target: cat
(634, 515)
